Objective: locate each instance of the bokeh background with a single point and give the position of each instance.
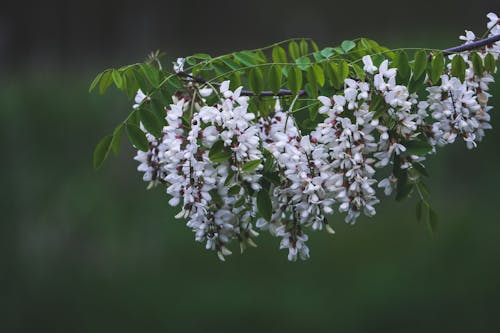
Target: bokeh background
(87, 251)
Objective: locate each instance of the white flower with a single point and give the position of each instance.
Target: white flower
(368, 65)
(388, 184)
(205, 92)
(179, 65)
(469, 37)
(494, 20)
(139, 98)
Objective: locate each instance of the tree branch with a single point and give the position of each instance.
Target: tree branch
(472, 46)
(285, 92)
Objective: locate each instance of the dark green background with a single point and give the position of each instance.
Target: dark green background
(86, 251)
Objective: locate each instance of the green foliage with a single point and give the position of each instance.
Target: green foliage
(250, 166)
(347, 45)
(437, 67)
(264, 204)
(219, 153)
(477, 63)
(295, 79)
(419, 148)
(256, 80)
(420, 64)
(338, 73)
(294, 50)
(275, 78)
(279, 55)
(101, 151)
(137, 137)
(151, 122)
(489, 63)
(458, 67)
(402, 64)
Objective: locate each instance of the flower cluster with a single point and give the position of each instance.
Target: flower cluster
(234, 170)
(215, 212)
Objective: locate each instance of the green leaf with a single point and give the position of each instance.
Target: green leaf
(339, 50)
(218, 153)
(220, 157)
(424, 189)
(490, 63)
(140, 79)
(117, 78)
(101, 151)
(231, 64)
(314, 45)
(402, 64)
(416, 84)
(303, 62)
(320, 75)
(327, 52)
(360, 73)
(235, 80)
(418, 210)
(317, 56)
(132, 85)
(437, 68)
(261, 56)
(365, 44)
(311, 79)
(115, 143)
(247, 58)
(106, 81)
(420, 168)
(340, 71)
(295, 79)
(201, 56)
(264, 205)
(274, 78)
(151, 122)
(304, 47)
(152, 74)
(95, 82)
(458, 67)
(378, 105)
(347, 45)
(137, 137)
(293, 50)
(279, 55)
(250, 166)
(272, 177)
(220, 68)
(256, 80)
(432, 221)
(216, 198)
(230, 175)
(234, 190)
(419, 148)
(240, 202)
(420, 64)
(477, 64)
(403, 188)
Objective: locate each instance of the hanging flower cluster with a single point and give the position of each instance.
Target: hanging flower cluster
(234, 165)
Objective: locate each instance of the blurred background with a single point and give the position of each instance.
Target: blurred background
(93, 251)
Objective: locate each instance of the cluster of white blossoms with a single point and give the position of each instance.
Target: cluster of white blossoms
(460, 108)
(216, 212)
(214, 160)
